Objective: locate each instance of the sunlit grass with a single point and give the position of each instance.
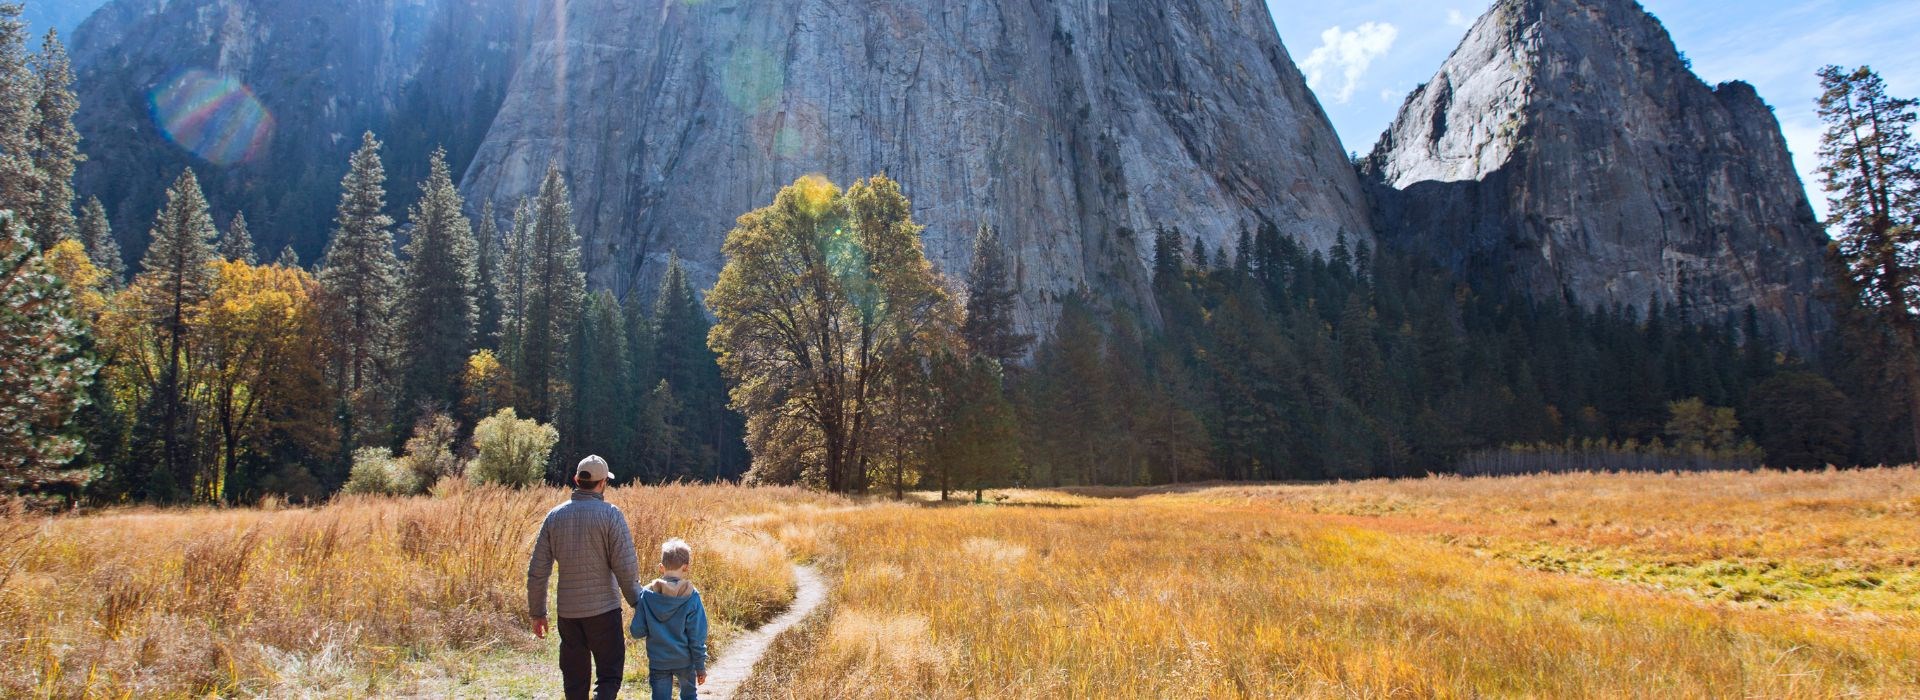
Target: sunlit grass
(1383, 589)
(365, 596)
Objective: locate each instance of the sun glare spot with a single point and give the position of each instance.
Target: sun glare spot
(751, 79)
(215, 117)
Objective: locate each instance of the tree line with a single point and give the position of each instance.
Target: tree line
(208, 375)
(831, 353)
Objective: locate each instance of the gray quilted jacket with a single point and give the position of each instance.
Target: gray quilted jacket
(589, 539)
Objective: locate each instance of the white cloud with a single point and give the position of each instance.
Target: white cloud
(1459, 19)
(1348, 54)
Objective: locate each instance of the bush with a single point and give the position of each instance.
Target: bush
(376, 471)
(430, 451)
(511, 450)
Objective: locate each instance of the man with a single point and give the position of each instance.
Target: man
(588, 538)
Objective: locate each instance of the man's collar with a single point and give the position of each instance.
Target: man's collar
(581, 495)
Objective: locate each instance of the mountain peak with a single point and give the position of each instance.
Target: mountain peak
(1567, 147)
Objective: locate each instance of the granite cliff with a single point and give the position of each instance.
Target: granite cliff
(1076, 128)
(420, 73)
(1567, 148)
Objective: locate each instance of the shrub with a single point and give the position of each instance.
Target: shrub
(429, 453)
(511, 450)
(376, 471)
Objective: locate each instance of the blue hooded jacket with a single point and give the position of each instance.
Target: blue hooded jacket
(674, 622)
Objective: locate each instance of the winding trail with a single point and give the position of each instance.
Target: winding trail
(725, 677)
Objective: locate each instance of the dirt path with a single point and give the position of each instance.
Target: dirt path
(743, 652)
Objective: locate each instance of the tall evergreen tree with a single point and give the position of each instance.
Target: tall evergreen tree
(598, 421)
(19, 118)
(56, 143)
(96, 235)
(360, 274)
(517, 264)
(287, 258)
(991, 294)
(681, 357)
(555, 288)
(489, 257)
(1870, 164)
(438, 293)
(237, 243)
(176, 276)
(44, 373)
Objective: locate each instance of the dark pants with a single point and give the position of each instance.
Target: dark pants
(590, 644)
(662, 682)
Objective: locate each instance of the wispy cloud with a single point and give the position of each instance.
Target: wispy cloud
(1347, 54)
(1459, 19)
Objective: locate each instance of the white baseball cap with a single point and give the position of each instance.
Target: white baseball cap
(595, 468)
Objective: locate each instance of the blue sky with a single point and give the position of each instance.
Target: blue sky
(1372, 52)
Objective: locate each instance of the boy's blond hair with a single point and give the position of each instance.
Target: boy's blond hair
(675, 553)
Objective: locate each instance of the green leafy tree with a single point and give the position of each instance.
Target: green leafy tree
(823, 293)
(44, 369)
(237, 243)
(1870, 166)
(437, 291)
(360, 274)
(1799, 419)
(56, 150)
(511, 450)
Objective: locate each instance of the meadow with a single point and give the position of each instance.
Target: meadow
(1762, 584)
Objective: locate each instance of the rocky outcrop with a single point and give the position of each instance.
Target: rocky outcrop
(1077, 128)
(420, 73)
(1567, 148)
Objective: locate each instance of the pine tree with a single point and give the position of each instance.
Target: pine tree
(97, 236)
(19, 117)
(176, 276)
(56, 143)
(359, 272)
(287, 257)
(487, 273)
(991, 294)
(555, 287)
(1870, 163)
(438, 292)
(237, 243)
(517, 264)
(44, 373)
(598, 420)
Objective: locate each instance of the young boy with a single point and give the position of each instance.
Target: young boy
(674, 623)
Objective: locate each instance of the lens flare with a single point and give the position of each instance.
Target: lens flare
(751, 78)
(212, 116)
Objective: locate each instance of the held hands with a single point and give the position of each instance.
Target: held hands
(540, 627)
(700, 678)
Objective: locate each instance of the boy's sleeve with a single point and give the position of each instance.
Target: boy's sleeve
(539, 568)
(638, 628)
(697, 634)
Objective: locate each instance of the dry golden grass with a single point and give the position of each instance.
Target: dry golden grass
(1759, 585)
(365, 596)
(1387, 589)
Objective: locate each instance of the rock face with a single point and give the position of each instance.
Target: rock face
(1076, 127)
(1567, 148)
(420, 73)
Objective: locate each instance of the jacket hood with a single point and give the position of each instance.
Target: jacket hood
(670, 595)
